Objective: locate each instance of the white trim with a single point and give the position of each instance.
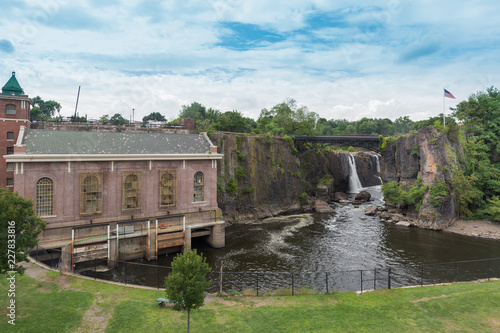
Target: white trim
(109, 157)
(150, 165)
(69, 166)
(16, 120)
(22, 168)
(20, 136)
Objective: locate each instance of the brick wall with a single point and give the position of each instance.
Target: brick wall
(11, 124)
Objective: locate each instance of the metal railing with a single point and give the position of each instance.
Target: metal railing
(260, 283)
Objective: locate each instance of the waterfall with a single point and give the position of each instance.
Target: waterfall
(354, 182)
(377, 158)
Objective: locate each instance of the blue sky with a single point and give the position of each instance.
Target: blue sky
(341, 59)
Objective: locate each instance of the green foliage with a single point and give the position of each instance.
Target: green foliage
(287, 118)
(351, 149)
(240, 173)
(303, 198)
(44, 110)
(386, 140)
(493, 210)
(186, 285)
(117, 119)
(232, 187)
(415, 151)
(438, 193)
(325, 180)
(465, 191)
(394, 195)
(154, 116)
(268, 138)
(247, 190)
(416, 194)
(19, 230)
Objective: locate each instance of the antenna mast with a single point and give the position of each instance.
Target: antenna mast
(77, 97)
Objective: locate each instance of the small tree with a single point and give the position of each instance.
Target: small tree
(186, 285)
(19, 230)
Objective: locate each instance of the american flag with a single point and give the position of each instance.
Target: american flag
(448, 94)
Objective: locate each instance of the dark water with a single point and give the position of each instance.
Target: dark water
(340, 244)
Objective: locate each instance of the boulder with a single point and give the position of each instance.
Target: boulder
(340, 196)
(363, 196)
(322, 207)
(404, 223)
(322, 193)
(357, 202)
(371, 211)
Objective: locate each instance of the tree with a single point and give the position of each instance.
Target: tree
(287, 118)
(195, 111)
(19, 230)
(154, 116)
(186, 285)
(118, 119)
(44, 110)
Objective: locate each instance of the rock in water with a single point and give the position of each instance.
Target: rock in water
(363, 196)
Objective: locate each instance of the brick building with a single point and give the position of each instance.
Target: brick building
(14, 113)
(80, 179)
(157, 189)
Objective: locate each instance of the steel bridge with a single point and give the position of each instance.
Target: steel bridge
(370, 142)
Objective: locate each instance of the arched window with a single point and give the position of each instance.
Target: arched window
(44, 197)
(199, 187)
(131, 195)
(91, 193)
(168, 188)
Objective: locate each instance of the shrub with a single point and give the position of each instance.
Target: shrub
(303, 198)
(439, 193)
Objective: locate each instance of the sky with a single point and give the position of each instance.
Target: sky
(341, 59)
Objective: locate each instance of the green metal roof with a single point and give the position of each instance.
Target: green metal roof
(12, 87)
(71, 142)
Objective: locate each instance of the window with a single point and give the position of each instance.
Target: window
(131, 194)
(44, 197)
(10, 136)
(10, 109)
(168, 188)
(10, 166)
(10, 182)
(90, 193)
(10, 150)
(199, 185)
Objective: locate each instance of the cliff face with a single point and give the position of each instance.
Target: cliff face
(261, 176)
(432, 157)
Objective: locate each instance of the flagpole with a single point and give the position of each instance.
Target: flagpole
(444, 113)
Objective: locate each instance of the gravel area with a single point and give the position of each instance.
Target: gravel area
(481, 229)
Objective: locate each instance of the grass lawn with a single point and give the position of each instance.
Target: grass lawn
(62, 303)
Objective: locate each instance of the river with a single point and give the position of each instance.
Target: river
(346, 250)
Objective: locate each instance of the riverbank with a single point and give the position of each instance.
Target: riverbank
(480, 229)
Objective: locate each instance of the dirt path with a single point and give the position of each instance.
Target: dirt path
(481, 229)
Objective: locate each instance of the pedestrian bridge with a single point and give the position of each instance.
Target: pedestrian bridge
(370, 142)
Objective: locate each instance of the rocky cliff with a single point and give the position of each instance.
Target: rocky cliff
(431, 157)
(262, 176)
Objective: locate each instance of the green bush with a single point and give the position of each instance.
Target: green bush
(240, 173)
(247, 190)
(303, 198)
(394, 195)
(416, 194)
(439, 193)
(493, 209)
(232, 187)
